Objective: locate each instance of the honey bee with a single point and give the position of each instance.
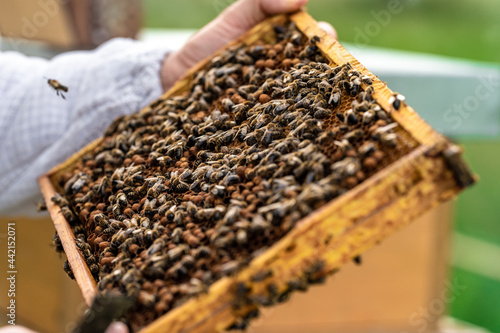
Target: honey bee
(354, 85)
(191, 208)
(178, 271)
(368, 116)
(68, 215)
(151, 235)
(229, 267)
(366, 149)
(240, 324)
(350, 117)
(108, 231)
(381, 131)
(381, 114)
(314, 273)
(122, 199)
(56, 241)
(101, 220)
(165, 161)
(157, 245)
(354, 135)
(322, 113)
(86, 198)
(261, 300)
(58, 87)
(41, 206)
(262, 275)
(258, 224)
(59, 200)
(117, 211)
(67, 269)
(396, 100)
(132, 289)
(334, 99)
(366, 80)
(202, 252)
(297, 284)
(389, 139)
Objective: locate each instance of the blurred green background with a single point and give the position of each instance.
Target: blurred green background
(457, 28)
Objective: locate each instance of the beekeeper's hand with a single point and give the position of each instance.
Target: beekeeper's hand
(238, 18)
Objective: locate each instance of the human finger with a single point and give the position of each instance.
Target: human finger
(328, 28)
(117, 327)
(15, 329)
(230, 24)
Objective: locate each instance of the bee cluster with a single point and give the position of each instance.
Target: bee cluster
(192, 188)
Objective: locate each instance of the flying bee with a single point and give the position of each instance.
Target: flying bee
(58, 87)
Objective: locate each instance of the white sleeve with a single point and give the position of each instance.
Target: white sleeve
(39, 129)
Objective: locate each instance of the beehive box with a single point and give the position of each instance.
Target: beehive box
(72, 24)
(426, 169)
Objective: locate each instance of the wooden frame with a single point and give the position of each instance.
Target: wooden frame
(349, 225)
